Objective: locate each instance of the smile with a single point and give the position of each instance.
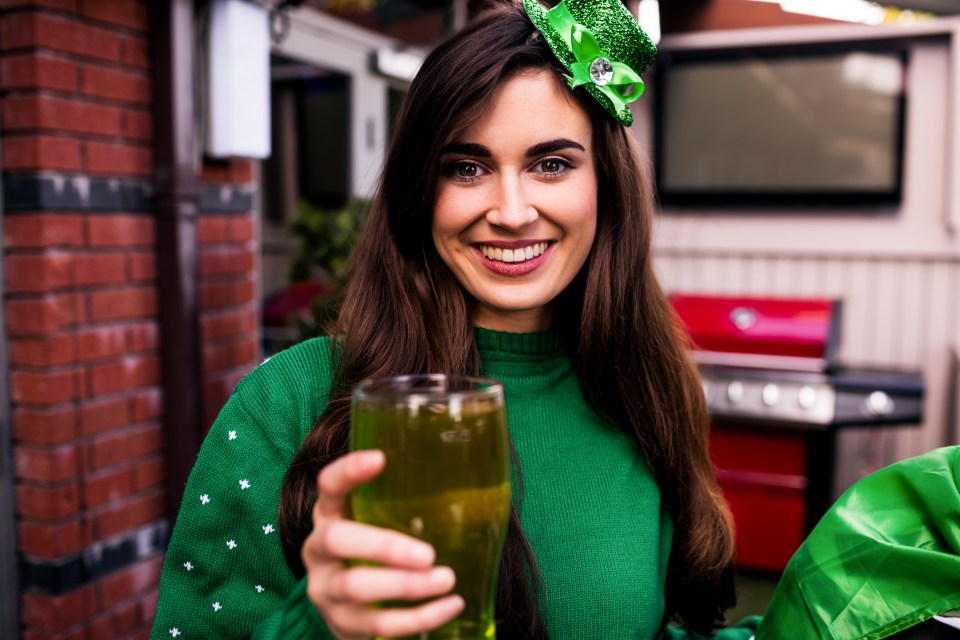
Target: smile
(518, 254)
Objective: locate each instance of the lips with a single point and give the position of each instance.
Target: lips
(515, 260)
(515, 254)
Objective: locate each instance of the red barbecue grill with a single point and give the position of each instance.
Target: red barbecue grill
(777, 399)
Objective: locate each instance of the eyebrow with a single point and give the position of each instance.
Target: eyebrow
(480, 151)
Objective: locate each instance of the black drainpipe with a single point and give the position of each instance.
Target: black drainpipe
(176, 204)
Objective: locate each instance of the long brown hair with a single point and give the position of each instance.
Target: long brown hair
(404, 312)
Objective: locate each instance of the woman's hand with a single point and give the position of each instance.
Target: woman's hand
(344, 595)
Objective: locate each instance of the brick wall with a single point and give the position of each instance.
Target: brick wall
(81, 295)
(229, 293)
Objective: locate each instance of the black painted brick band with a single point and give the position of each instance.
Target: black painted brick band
(215, 198)
(50, 192)
(46, 192)
(67, 575)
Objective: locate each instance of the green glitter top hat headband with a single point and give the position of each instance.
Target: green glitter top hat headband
(602, 47)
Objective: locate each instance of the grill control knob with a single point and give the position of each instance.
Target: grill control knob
(770, 394)
(878, 404)
(806, 397)
(735, 392)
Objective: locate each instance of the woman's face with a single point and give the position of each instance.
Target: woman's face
(516, 207)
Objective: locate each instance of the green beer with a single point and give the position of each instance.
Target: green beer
(446, 481)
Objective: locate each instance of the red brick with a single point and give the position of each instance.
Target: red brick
(220, 262)
(217, 357)
(76, 633)
(96, 417)
(148, 605)
(135, 52)
(143, 336)
(106, 486)
(227, 293)
(38, 70)
(213, 170)
(49, 31)
(144, 633)
(38, 316)
(117, 622)
(127, 444)
(218, 387)
(101, 342)
(99, 268)
(123, 304)
(142, 266)
(137, 125)
(48, 503)
(133, 513)
(47, 351)
(69, 6)
(41, 152)
(60, 114)
(34, 231)
(129, 373)
(125, 13)
(114, 84)
(38, 272)
(149, 474)
(126, 582)
(242, 229)
(212, 229)
(121, 231)
(230, 323)
(54, 541)
(241, 170)
(48, 464)
(146, 405)
(52, 426)
(56, 613)
(111, 158)
(45, 388)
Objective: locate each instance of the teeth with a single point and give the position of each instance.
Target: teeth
(513, 255)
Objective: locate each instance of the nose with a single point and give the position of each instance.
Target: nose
(512, 208)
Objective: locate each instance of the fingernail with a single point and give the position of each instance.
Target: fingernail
(455, 603)
(374, 456)
(421, 554)
(442, 578)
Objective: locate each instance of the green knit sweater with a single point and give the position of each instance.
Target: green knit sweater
(590, 507)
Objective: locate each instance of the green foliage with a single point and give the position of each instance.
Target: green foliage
(327, 238)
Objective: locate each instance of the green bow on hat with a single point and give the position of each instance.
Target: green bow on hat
(601, 45)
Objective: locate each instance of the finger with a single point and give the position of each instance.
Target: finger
(394, 623)
(342, 476)
(350, 540)
(368, 584)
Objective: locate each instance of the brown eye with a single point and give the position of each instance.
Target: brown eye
(467, 170)
(551, 166)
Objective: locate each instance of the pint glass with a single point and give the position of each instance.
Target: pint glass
(446, 480)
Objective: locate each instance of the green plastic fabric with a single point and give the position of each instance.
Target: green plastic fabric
(884, 558)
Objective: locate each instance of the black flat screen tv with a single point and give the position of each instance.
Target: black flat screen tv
(807, 125)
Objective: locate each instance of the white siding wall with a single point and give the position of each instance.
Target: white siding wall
(897, 271)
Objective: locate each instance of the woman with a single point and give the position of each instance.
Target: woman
(510, 237)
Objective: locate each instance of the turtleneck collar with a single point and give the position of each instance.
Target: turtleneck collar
(546, 343)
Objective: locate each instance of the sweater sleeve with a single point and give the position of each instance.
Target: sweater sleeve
(224, 571)
(297, 619)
